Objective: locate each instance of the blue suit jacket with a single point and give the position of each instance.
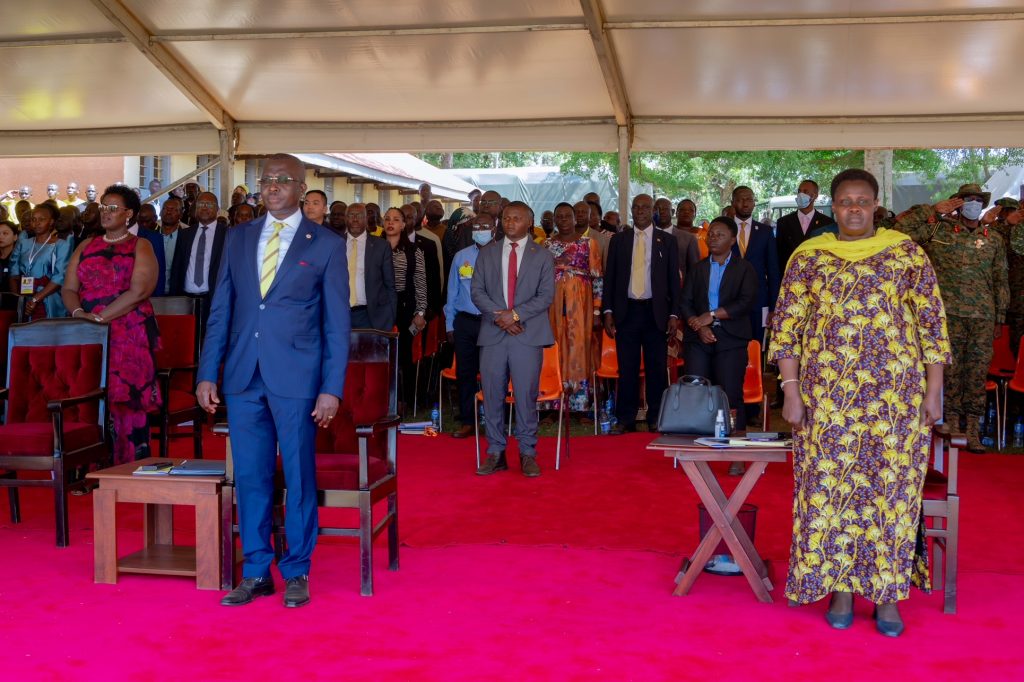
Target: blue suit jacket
(154, 238)
(298, 335)
(762, 254)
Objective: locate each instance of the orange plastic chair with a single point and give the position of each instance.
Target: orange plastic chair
(753, 385)
(608, 369)
(449, 374)
(550, 388)
(1000, 371)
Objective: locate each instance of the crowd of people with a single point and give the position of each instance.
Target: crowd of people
(879, 325)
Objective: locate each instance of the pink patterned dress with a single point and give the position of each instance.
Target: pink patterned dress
(104, 273)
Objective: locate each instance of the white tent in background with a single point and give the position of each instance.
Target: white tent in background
(1007, 182)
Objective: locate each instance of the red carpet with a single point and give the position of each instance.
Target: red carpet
(564, 577)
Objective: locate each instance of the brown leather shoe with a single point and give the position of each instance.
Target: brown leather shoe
(737, 469)
(530, 467)
(465, 431)
(494, 464)
(296, 591)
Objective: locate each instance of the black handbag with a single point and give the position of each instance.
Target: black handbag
(690, 406)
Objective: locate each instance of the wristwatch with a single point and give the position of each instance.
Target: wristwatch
(515, 316)
(713, 316)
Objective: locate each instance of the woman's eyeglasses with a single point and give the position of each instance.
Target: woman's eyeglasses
(110, 208)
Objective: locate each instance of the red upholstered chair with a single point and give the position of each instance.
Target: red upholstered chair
(55, 407)
(176, 365)
(356, 457)
(941, 511)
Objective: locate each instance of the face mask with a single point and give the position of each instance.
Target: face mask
(482, 238)
(803, 200)
(971, 209)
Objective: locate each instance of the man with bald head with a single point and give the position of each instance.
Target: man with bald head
(280, 328)
(642, 299)
(373, 300)
(197, 255)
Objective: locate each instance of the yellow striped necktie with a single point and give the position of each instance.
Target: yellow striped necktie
(353, 265)
(638, 274)
(269, 267)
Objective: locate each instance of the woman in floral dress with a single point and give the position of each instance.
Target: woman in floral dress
(860, 339)
(109, 280)
(578, 280)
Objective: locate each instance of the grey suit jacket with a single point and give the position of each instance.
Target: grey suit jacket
(535, 291)
(689, 251)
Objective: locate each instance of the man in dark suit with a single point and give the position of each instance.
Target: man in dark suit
(689, 251)
(197, 256)
(280, 326)
(513, 286)
(641, 300)
(716, 304)
(756, 243)
(371, 274)
(796, 227)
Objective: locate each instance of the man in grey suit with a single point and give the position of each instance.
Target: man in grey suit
(513, 286)
(371, 274)
(689, 251)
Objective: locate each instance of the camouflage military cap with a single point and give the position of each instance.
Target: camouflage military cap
(974, 189)
(1008, 202)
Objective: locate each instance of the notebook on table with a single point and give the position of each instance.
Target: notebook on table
(199, 467)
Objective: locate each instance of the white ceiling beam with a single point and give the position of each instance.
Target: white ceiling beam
(169, 65)
(594, 17)
(76, 39)
(363, 32)
(817, 21)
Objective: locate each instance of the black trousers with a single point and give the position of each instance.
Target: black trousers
(638, 332)
(725, 367)
(360, 318)
(466, 329)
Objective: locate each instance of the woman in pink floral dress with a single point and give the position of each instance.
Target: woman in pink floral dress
(109, 280)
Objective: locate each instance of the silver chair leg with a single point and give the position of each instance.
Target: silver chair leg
(476, 428)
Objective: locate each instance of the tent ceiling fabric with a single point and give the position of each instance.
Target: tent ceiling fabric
(463, 75)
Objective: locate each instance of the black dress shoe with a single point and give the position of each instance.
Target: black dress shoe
(840, 621)
(889, 628)
(493, 464)
(296, 591)
(248, 590)
(464, 431)
(530, 467)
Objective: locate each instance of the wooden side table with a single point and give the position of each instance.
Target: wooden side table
(159, 555)
(696, 463)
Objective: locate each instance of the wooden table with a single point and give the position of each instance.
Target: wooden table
(159, 554)
(696, 461)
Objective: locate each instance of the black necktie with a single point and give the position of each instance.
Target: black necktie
(198, 276)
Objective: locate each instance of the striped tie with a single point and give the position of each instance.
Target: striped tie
(269, 267)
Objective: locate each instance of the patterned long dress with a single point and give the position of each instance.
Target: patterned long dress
(578, 288)
(863, 331)
(104, 273)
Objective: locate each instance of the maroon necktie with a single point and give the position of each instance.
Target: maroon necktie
(513, 273)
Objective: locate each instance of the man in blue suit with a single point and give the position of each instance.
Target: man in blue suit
(756, 243)
(279, 323)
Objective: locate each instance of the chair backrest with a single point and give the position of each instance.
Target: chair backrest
(1018, 372)
(56, 358)
(550, 373)
(1003, 363)
(449, 372)
(178, 320)
(370, 393)
(609, 359)
(753, 387)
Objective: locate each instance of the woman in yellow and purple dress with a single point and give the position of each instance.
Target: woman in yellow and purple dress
(859, 336)
(578, 280)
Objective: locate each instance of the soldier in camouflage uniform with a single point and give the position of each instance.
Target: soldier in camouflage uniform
(1003, 217)
(970, 262)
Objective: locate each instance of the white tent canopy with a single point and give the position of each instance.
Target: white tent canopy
(253, 76)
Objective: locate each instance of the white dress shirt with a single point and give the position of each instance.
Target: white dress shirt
(648, 237)
(190, 271)
(805, 220)
(360, 265)
(291, 226)
(506, 250)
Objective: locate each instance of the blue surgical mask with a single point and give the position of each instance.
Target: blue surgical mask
(482, 238)
(803, 200)
(971, 209)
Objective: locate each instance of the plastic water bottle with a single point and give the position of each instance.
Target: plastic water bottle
(609, 406)
(435, 418)
(604, 420)
(1018, 433)
(989, 428)
(720, 431)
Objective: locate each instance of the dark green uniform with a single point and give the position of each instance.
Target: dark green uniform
(972, 272)
(1015, 259)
